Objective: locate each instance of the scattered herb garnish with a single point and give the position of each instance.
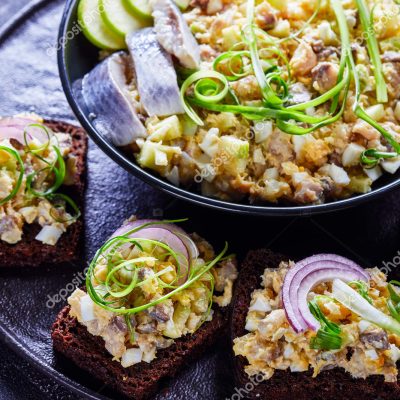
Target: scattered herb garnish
(328, 336)
(57, 168)
(253, 55)
(362, 289)
(368, 157)
(351, 299)
(131, 329)
(112, 293)
(394, 302)
(18, 182)
(373, 50)
(59, 202)
(206, 91)
(53, 171)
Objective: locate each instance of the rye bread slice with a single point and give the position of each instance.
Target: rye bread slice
(140, 381)
(331, 384)
(32, 253)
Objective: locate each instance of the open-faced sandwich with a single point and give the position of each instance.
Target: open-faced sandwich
(42, 175)
(321, 328)
(155, 298)
(265, 100)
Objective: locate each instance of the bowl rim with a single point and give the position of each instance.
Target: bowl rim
(165, 186)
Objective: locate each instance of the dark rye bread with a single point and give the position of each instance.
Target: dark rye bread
(140, 381)
(30, 252)
(332, 384)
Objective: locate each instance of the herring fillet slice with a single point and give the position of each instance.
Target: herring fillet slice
(155, 74)
(104, 90)
(174, 34)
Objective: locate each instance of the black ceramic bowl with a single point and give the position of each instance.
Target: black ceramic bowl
(77, 56)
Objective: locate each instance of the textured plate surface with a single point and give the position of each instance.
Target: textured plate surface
(29, 80)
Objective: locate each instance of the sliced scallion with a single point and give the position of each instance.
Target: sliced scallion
(18, 183)
(328, 336)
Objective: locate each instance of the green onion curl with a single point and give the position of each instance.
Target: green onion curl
(17, 186)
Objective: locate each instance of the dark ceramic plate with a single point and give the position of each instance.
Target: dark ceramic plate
(369, 234)
(77, 57)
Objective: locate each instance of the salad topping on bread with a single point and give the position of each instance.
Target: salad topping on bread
(34, 163)
(351, 323)
(148, 285)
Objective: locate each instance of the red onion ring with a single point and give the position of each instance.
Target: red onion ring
(291, 284)
(314, 279)
(186, 239)
(14, 128)
(160, 233)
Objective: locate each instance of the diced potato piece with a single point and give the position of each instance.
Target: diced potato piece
(394, 353)
(171, 331)
(360, 184)
(214, 6)
(235, 153)
(299, 177)
(389, 13)
(373, 173)
(236, 147)
(282, 29)
(258, 157)
(262, 131)
(226, 120)
(338, 174)
(211, 142)
(376, 112)
(391, 44)
(260, 303)
(371, 354)
(251, 324)
(12, 235)
(29, 213)
(49, 235)
(87, 309)
(173, 176)
(299, 141)
(271, 173)
(167, 129)
(275, 189)
(391, 165)
(326, 33)
(6, 184)
(160, 158)
(230, 36)
(181, 315)
(351, 154)
(397, 111)
(131, 357)
(189, 128)
(147, 155)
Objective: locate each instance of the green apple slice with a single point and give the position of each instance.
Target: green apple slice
(140, 8)
(94, 28)
(117, 17)
(182, 4)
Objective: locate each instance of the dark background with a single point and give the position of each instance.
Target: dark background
(18, 380)
(368, 234)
